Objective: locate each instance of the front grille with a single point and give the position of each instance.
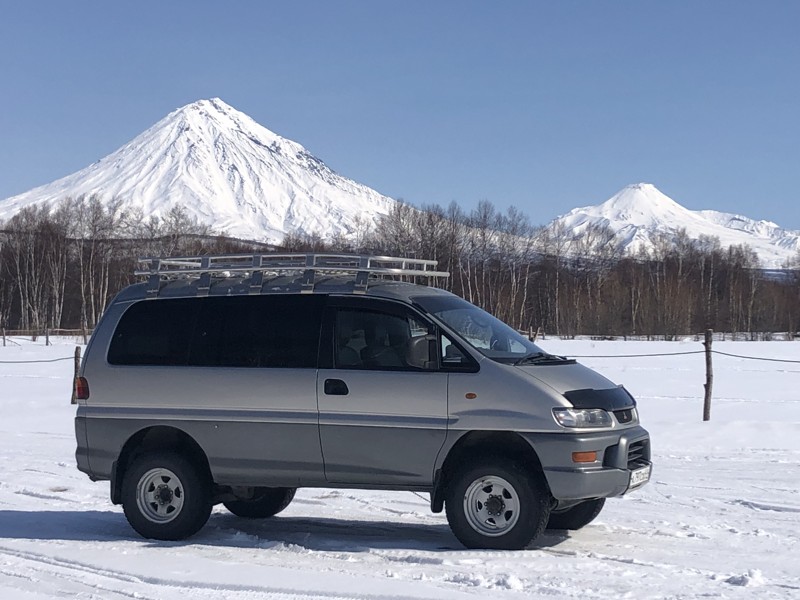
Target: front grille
(638, 453)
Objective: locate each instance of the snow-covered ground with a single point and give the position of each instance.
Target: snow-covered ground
(720, 518)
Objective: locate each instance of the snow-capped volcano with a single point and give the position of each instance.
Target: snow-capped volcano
(240, 178)
(639, 214)
(227, 171)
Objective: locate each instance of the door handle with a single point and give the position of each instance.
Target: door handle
(336, 387)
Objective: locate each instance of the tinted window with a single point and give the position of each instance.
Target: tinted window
(154, 333)
(236, 331)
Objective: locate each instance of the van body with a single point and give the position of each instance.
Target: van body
(240, 386)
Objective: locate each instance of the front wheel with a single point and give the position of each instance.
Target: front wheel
(498, 506)
(266, 502)
(577, 516)
(165, 496)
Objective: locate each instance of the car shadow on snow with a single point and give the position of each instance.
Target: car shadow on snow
(81, 525)
(226, 530)
(322, 533)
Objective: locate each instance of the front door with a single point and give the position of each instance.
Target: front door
(382, 402)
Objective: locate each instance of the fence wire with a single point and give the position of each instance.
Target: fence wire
(763, 358)
(779, 360)
(27, 362)
(635, 355)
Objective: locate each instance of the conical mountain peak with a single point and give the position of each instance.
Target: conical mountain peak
(226, 170)
(642, 204)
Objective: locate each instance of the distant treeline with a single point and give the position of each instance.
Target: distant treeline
(60, 267)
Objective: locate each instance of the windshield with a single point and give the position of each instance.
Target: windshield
(487, 334)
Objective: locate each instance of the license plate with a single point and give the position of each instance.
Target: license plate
(639, 476)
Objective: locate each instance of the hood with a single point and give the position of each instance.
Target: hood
(567, 377)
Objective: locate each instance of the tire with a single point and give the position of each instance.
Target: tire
(165, 496)
(497, 505)
(266, 502)
(577, 516)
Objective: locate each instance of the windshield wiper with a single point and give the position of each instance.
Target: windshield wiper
(542, 358)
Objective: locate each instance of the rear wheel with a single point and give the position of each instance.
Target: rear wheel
(266, 502)
(576, 516)
(496, 505)
(165, 496)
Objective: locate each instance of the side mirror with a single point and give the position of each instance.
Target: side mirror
(421, 352)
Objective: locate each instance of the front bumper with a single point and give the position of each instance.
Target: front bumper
(619, 453)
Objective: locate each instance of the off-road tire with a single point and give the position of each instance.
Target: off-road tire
(496, 504)
(576, 516)
(266, 502)
(165, 496)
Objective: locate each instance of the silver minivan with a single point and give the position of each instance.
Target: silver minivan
(238, 379)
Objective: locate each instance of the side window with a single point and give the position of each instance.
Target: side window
(238, 331)
(154, 332)
(258, 331)
(453, 359)
(366, 339)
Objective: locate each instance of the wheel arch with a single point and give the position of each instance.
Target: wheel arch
(157, 437)
(480, 444)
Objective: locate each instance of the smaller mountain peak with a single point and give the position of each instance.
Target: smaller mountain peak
(641, 204)
(640, 194)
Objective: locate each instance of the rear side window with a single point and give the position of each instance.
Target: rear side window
(236, 331)
(154, 333)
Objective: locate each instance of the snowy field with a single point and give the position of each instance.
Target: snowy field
(720, 518)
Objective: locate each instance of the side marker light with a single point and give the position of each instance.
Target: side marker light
(584, 457)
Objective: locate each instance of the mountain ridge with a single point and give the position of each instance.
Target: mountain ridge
(640, 214)
(239, 178)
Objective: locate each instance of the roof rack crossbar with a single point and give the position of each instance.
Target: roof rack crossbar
(308, 266)
(330, 263)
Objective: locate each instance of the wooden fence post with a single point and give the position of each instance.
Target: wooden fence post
(709, 376)
(77, 370)
(4, 337)
(46, 337)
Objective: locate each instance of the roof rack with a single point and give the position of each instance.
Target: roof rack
(256, 265)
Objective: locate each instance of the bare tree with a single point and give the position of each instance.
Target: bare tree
(27, 265)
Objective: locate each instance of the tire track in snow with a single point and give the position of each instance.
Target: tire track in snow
(75, 572)
(69, 570)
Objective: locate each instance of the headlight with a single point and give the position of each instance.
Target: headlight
(582, 417)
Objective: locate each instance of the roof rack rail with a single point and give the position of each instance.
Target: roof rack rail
(256, 265)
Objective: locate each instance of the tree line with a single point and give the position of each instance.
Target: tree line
(60, 266)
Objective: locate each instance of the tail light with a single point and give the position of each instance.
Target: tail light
(80, 389)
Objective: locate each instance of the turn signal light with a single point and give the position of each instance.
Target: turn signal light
(584, 457)
(81, 388)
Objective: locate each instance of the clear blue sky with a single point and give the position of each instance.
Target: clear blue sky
(542, 105)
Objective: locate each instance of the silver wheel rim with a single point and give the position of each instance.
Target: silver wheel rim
(159, 495)
(491, 505)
